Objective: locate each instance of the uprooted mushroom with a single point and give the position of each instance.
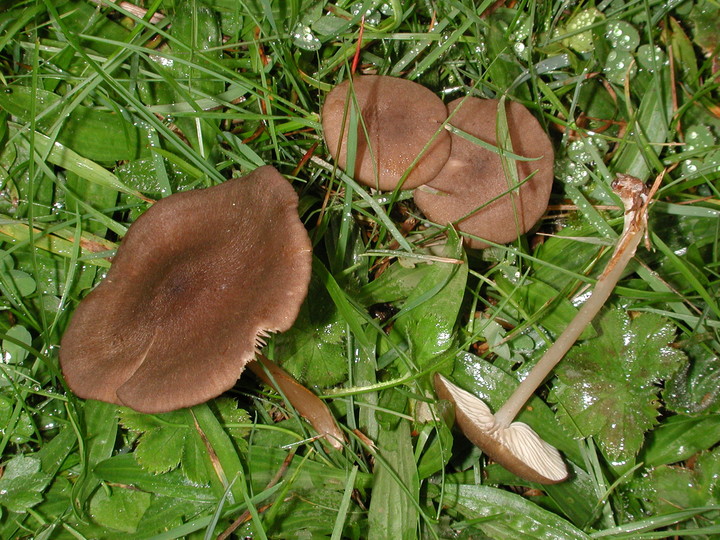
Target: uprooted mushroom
(515, 445)
(198, 282)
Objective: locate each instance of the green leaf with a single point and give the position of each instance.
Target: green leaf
(94, 134)
(705, 17)
(679, 438)
(501, 514)
(607, 387)
(121, 509)
(197, 41)
(101, 427)
(13, 353)
(313, 350)
(666, 489)
(695, 388)
(161, 449)
(540, 302)
(231, 416)
(393, 507)
(124, 469)
(162, 438)
(22, 484)
(638, 157)
(168, 440)
(427, 318)
(22, 428)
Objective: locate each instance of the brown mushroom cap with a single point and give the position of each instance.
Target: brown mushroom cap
(197, 282)
(401, 117)
(474, 175)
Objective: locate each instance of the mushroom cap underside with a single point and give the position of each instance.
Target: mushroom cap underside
(516, 447)
(401, 117)
(472, 190)
(197, 282)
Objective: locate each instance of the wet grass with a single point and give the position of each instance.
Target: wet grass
(103, 111)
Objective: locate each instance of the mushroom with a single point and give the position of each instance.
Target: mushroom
(197, 284)
(399, 130)
(473, 190)
(517, 448)
(514, 444)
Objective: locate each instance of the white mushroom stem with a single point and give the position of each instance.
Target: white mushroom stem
(634, 196)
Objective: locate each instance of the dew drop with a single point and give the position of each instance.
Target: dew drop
(622, 35)
(304, 38)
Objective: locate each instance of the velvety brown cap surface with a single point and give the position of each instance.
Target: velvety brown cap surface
(401, 117)
(473, 175)
(196, 280)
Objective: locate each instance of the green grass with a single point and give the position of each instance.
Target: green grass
(102, 112)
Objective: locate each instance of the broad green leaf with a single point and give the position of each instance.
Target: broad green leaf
(393, 514)
(310, 515)
(695, 388)
(94, 134)
(666, 489)
(168, 440)
(141, 174)
(608, 386)
(680, 437)
(312, 474)
(54, 452)
(234, 419)
(164, 513)
(22, 484)
(638, 157)
(196, 29)
(22, 428)
(124, 469)
(394, 284)
(121, 509)
(12, 353)
(99, 436)
(66, 158)
(564, 254)
(705, 21)
(682, 49)
(438, 451)
(82, 194)
(161, 450)
(502, 514)
(314, 350)
(428, 315)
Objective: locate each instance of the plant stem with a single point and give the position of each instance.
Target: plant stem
(634, 196)
(303, 400)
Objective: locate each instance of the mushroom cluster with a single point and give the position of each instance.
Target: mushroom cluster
(198, 282)
(460, 177)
